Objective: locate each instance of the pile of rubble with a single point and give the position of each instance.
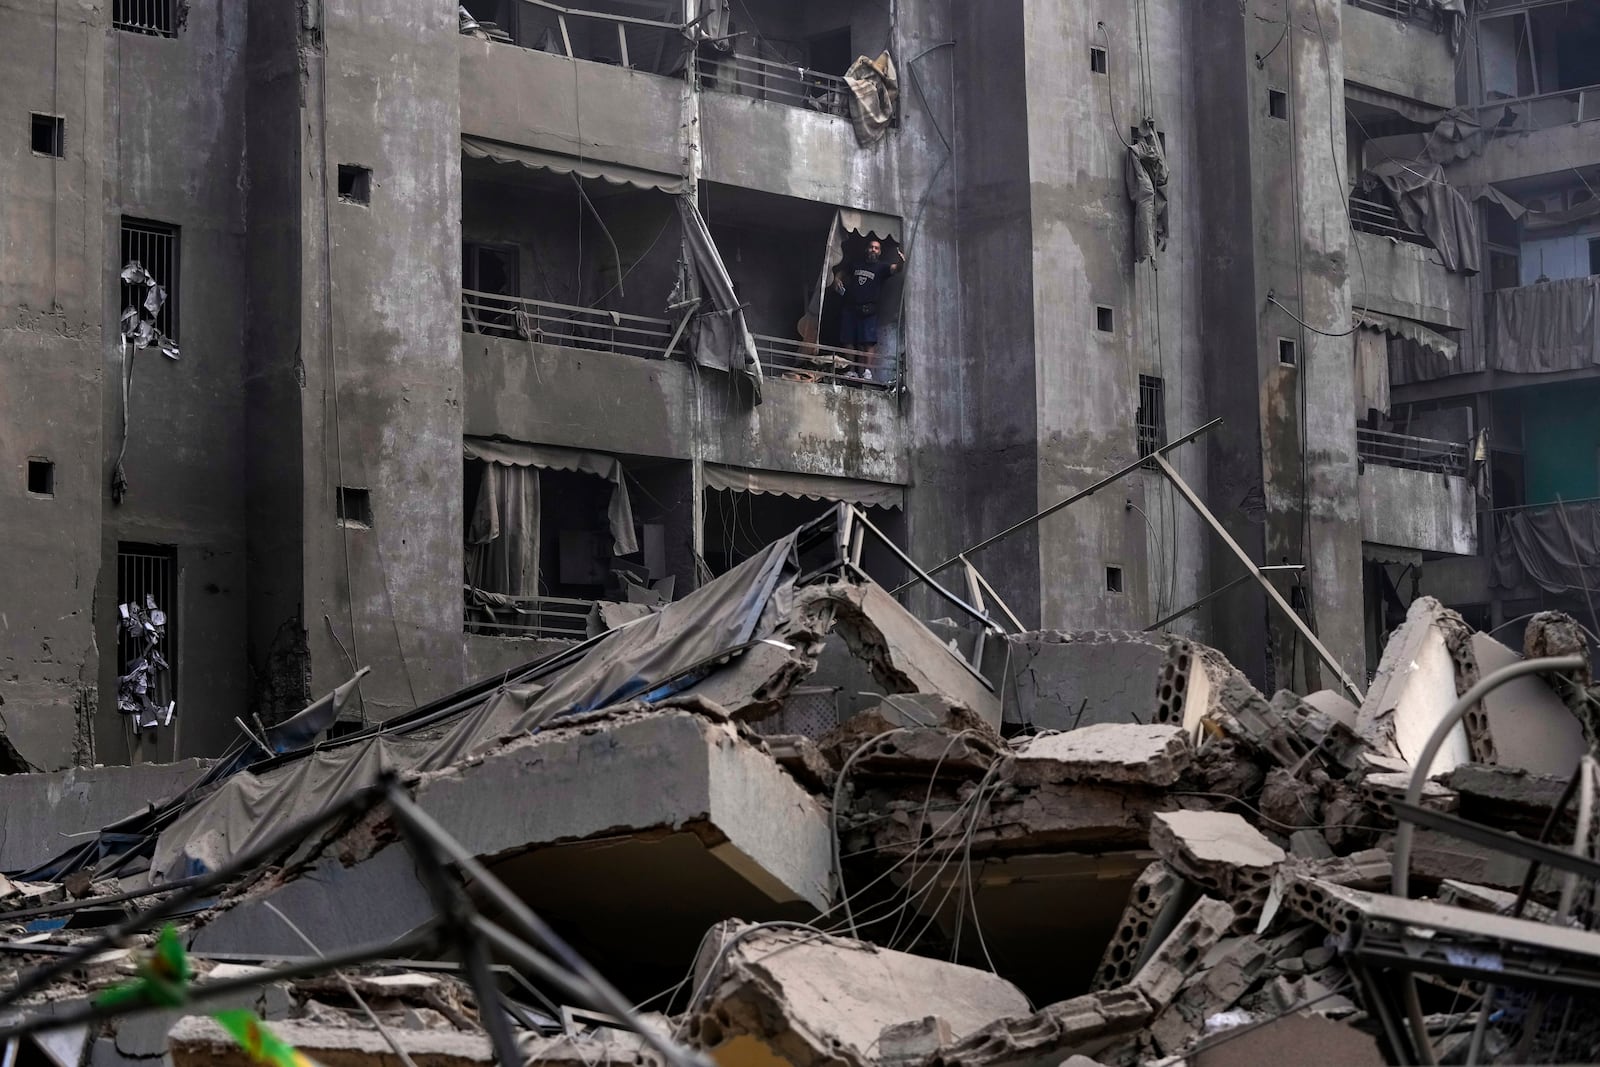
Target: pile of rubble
(1198, 873)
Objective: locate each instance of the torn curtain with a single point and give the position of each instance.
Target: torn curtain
(1534, 545)
(1432, 206)
(718, 336)
(1372, 370)
(1545, 327)
(1145, 174)
(875, 92)
(619, 512)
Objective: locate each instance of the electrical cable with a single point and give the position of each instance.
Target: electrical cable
(1111, 101)
(1271, 299)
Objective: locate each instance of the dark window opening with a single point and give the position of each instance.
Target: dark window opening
(1104, 319)
(497, 19)
(830, 53)
(147, 606)
(1277, 103)
(1505, 268)
(1113, 579)
(1286, 352)
(157, 18)
(41, 477)
(489, 275)
(154, 246)
(1594, 255)
(1151, 418)
(49, 134)
(355, 184)
(354, 507)
(1097, 60)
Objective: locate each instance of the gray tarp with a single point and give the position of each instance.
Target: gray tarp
(656, 657)
(1145, 174)
(1532, 545)
(1432, 206)
(809, 486)
(620, 512)
(718, 336)
(1545, 327)
(536, 159)
(875, 89)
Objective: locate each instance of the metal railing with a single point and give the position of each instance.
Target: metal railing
(1376, 217)
(1545, 111)
(806, 361)
(782, 83)
(1395, 9)
(499, 615)
(567, 325)
(1412, 453)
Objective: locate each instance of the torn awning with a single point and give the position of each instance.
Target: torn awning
(599, 464)
(870, 224)
(810, 486)
(556, 163)
(1395, 326)
(718, 335)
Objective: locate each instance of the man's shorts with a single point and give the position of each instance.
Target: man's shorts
(856, 328)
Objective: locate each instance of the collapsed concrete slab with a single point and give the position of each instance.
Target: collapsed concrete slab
(1425, 666)
(1220, 852)
(1065, 680)
(77, 801)
(1153, 755)
(1154, 892)
(809, 999)
(1533, 728)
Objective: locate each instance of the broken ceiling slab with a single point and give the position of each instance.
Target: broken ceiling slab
(1068, 679)
(1533, 729)
(1507, 797)
(1220, 852)
(1153, 755)
(810, 1000)
(1418, 679)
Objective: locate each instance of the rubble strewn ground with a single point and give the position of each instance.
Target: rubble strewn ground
(1205, 879)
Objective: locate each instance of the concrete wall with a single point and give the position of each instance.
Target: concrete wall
(1406, 59)
(41, 815)
(1554, 151)
(1400, 278)
(1418, 510)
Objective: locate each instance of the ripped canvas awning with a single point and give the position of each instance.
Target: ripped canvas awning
(599, 464)
(870, 224)
(809, 486)
(1395, 326)
(555, 162)
(718, 335)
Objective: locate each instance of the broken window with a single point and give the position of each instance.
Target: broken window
(645, 34)
(1551, 52)
(156, 18)
(489, 281)
(1151, 418)
(355, 184)
(352, 507)
(153, 246)
(49, 135)
(147, 657)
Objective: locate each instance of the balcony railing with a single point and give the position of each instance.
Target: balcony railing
(1395, 9)
(1545, 111)
(566, 325)
(803, 361)
(1376, 217)
(782, 83)
(1411, 453)
(499, 615)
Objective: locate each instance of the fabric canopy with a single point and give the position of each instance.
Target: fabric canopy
(1545, 327)
(1395, 326)
(1558, 553)
(536, 159)
(870, 224)
(718, 335)
(1432, 206)
(599, 464)
(810, 486)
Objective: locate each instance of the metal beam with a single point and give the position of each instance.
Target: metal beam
(1218, 591)
(1255, 572)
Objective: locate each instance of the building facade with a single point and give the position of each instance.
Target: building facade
(439, 289)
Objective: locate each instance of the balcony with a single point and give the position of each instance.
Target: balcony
(1415, 494)
(782, 83)
(1377, 217)
(546, 617)
(1392, 46)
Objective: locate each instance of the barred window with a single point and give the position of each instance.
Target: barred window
(157, 18)
(154, 246)
(1151, 419)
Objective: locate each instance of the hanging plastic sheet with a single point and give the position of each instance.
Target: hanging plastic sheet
(1432, 206)
(1539, 545)
(1545, 327)
(718, 335)
(503, 531)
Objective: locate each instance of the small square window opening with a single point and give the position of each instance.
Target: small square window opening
(1097, 60)
(1277, 103)
(1287, 352)
(355, 184)
(49, 135)
(354, 507)
(1104, 319)
(1113, 579)
(41, 477)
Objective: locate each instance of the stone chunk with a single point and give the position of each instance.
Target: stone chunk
(1220, 852)
(1226, 973)
(1105, 752)
(1180, 954)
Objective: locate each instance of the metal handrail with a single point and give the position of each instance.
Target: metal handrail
(1376, 217)
(566, 325)
(1546, 504)
(1531, 106)
(1402, 10)
(807, 361)
(527, 616)
(1412, 453)
(783, 83)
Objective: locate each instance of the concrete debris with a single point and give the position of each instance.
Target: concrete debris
(1177, 868)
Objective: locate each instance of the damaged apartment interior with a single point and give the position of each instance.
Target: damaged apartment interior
(912, 532)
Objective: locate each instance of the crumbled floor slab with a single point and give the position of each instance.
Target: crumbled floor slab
(1533, 728)
(1415, 685)
(1081, 1026)
(809, 999)
(1066, 680)
(1220, 852)
(1152, 755)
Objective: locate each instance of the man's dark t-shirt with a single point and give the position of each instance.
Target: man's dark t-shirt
(863, 281)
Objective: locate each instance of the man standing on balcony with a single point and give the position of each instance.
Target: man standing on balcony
(860, 283)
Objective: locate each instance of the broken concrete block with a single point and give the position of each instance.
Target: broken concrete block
(1378, 790)
(1083, 1025)
(1304, 1038)
(1335, 705)
(1286, 801)
(1129, 753)
(1225, 974)
(810, 999)
(1309, 845)
(1416, 683)
(1486, 898)
(1220, 852)
(1153, 891)
(1506, 797)
(800, 756)
(1533, 728)
(913, 1042)
(1066, 680)
(1329, 735)
(1177, 957)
